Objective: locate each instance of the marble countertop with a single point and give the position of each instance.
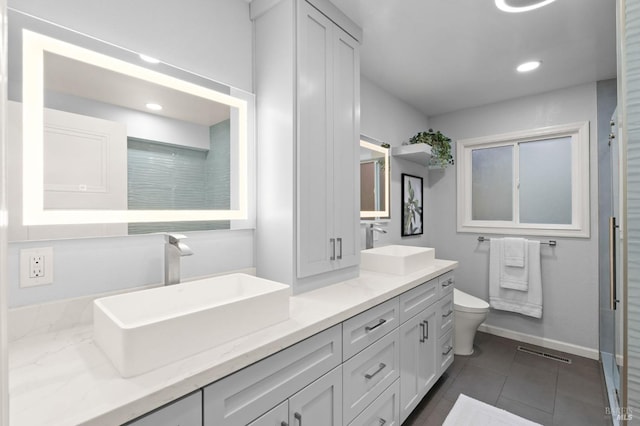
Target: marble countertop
(62, 378)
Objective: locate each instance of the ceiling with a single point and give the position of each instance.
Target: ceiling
(446, 55)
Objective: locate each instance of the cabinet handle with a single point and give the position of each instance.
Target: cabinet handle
(382, 421)
(448, 351)
(426, 329)
(448, 313)
(422, 332)
(298, 417)
(448, 282)
(339, 248)
(373, 327)
(332, 241)
(380, 368)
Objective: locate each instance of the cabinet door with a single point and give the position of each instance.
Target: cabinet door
(315, 152)
(418, 359)
(346, 147)
(277, 416)
(320, 403)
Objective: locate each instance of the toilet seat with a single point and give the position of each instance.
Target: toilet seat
(464, 302)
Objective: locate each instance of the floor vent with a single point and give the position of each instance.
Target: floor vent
(544, 354)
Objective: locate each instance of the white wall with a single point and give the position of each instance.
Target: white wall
(569, 271)
(386, 118)
(212, 38)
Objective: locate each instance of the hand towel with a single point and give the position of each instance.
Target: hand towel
(515, 252)
(515, 278)
(523, 302)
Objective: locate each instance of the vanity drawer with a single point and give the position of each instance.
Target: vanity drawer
(446, 283)
(243, 396)
(365, 328)
(385, 410)
(367, 374)
(445, 352)
(186, 411)
(446, 315)
(417, 299)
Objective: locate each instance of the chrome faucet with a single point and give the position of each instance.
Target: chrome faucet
(369, 233)
(174, 249)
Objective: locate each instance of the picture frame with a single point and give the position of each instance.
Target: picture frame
(412, 205)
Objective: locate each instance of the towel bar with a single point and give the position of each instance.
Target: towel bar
(551, 243)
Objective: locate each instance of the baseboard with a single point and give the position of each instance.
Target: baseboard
(541, 341)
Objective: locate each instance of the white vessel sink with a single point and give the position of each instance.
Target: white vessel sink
(143, 330)
(394, 259)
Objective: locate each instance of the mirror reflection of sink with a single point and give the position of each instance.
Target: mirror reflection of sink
(396, 259)
(143, 330)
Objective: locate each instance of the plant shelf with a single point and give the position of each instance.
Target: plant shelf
(417, 153)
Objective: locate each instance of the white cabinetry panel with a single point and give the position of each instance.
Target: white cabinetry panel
(365, 328)
(367, 374)
(244, 396)
(418, 359)
(183, 412)
(320, 403)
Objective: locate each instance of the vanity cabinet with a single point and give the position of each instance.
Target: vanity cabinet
(373, 368)
(307, 83)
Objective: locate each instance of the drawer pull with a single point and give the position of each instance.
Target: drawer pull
(448, 351)
(332, 241)
(447, 283)
(382, 421)
(422, 332)
(380, 368)
(448, 313)
(426, 330)
(298, 417)
(371, 328)
(340, 247)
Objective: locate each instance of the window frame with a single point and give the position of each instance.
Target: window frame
(580, 182)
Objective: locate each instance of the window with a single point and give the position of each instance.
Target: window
(533, 182)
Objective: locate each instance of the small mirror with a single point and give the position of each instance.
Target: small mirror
(374, 179)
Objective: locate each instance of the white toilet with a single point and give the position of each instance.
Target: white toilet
(470, 312)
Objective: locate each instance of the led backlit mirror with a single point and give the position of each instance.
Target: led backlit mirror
(108, 138)
(374, 179)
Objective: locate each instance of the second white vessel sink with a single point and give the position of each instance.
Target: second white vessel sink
(144, 330)
(396, 259)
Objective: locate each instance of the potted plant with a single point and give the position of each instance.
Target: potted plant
(440, 146)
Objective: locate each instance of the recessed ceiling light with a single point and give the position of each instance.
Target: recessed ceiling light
(154, 107)
(149, 59)
(528, 66)
(516, 6)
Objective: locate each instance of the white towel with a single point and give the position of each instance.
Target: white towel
(515, 252)
(523, 302)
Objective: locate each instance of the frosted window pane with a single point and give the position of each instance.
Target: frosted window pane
(492, 178)
(545, 181)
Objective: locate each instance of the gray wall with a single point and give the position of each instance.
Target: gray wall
(388, 119)
(216, 43)
(570, 270)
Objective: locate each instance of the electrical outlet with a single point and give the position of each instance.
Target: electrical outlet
(36, 266)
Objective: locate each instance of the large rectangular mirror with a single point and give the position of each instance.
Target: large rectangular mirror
(115, 143)
(374, 179)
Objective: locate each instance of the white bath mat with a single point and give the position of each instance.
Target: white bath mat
(471, 412)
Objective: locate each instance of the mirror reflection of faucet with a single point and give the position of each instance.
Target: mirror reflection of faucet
(369, 233)
(174, 249)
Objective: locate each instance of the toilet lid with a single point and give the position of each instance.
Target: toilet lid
(467, 303)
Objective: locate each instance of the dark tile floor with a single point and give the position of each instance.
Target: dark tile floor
(543, 390)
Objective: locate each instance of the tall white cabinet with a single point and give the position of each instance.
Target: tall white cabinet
(307, 77)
